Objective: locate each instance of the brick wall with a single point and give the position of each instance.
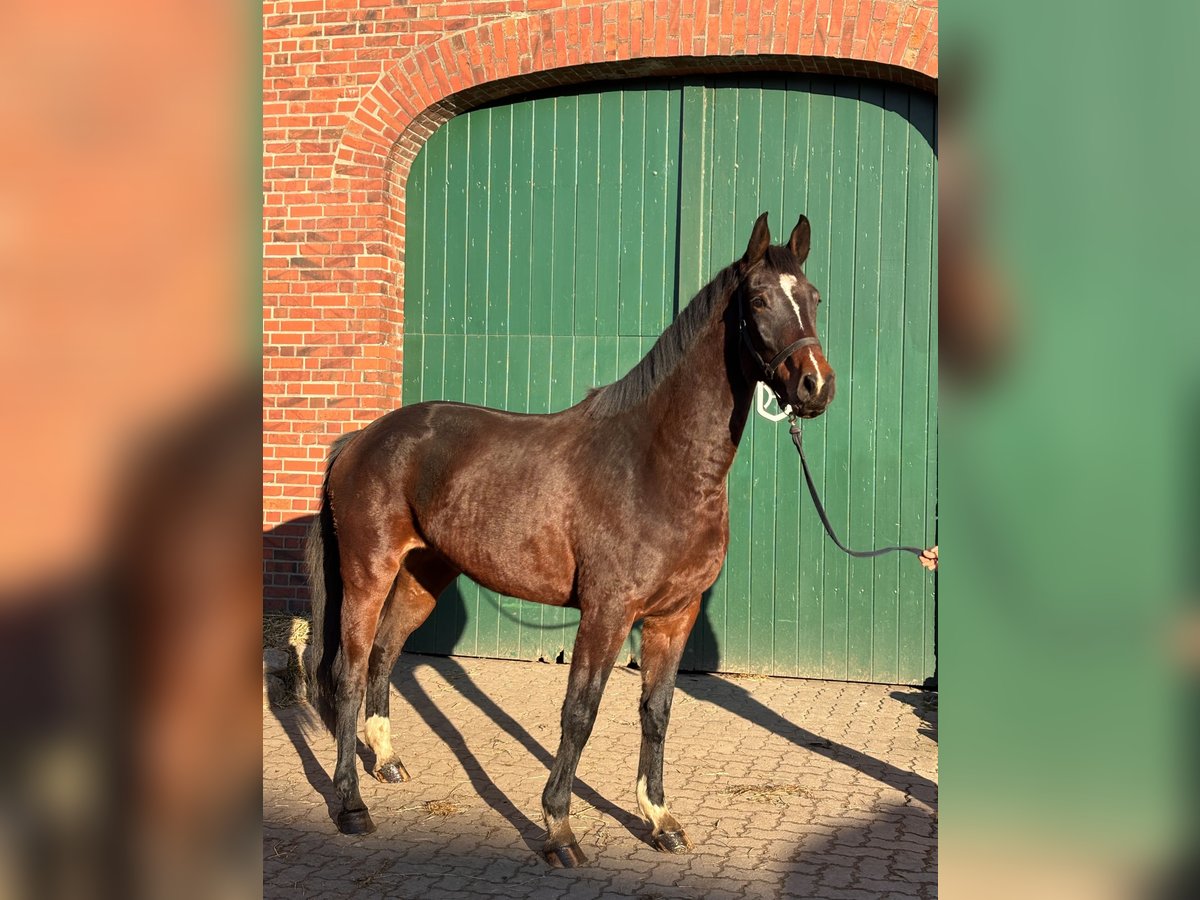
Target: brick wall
(351, 90)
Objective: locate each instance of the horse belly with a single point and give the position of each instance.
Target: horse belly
(506, 547)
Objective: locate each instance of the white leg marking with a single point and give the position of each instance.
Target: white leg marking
(651, 812)
(787, 283)
(379, 738)
(812, 357)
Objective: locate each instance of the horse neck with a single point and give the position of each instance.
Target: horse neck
(702, 407)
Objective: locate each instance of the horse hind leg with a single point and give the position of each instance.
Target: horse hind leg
(424, 574)
(369, 572)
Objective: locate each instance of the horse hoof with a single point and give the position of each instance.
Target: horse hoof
(672, 842)
(392, 773)
(568, 857)
(355, 821)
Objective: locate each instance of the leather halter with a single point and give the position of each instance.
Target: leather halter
(768, 369)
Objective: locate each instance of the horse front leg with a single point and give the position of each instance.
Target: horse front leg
(596, 646)
(663, 640)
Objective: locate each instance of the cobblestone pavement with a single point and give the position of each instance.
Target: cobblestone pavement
(787, 788)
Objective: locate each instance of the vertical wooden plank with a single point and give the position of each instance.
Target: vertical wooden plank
(583, 371)
(520, 237)
(588, 223)
(656, 306)
(414, 255)
(457, 253)
(771, 601)
(839, 344)
(632, 234)
(792, 567)
(608, 235)
(695, 166)
(562, 286)
(889, 384)
(916, 443)
(415, 259)
(671, 207)
(694, 174)
(479, 146)
(410, 388)
(562, 364)
(433, 311)
(721, 118)
(819, 167)
(518, 373)
(499, 197)
(607, 359)
(540, 351)
(864, 378)
(745, 136)
(929, 113)
(432, 362)
(541, 248)
(454, 372)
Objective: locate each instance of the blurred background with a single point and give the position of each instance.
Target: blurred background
(1069, 629)
(129, 353)
(1068, 623)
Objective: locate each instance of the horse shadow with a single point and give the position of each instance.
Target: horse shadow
(453, 606)
(704, 686)
(284, 576)
(925, 707)
(704, 652)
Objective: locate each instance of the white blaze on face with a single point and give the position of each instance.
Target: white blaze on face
(812, 357)
(788, 283)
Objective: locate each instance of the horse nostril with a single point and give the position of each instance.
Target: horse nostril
(809, 383)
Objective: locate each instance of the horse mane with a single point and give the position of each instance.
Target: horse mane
(671, 347)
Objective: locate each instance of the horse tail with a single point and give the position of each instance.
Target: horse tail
(325, 581)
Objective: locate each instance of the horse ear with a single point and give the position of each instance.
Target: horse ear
(801, 237)
(760, 239)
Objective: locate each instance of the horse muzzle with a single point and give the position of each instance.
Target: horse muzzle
(812, 394)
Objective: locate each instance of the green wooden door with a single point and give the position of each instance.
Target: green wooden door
(551, 240)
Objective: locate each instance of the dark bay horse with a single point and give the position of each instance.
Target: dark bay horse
(616, 506)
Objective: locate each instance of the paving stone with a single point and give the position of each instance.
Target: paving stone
(480, 734)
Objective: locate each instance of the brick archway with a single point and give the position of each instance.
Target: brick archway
(334, 229)
(873, 38)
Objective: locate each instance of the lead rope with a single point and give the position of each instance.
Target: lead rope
(928, 558)
(763, 394)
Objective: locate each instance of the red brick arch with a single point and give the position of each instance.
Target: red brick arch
(334, 218)
(891, 40)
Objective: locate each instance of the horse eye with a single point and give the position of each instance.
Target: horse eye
(758, 302)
